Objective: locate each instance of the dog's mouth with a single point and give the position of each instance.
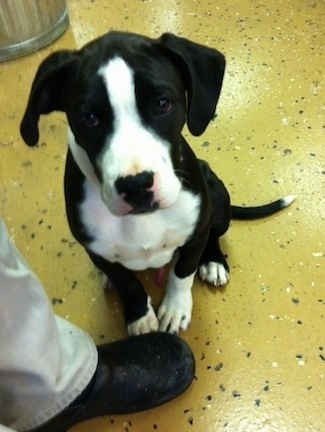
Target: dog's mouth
(120, 207)
(130, 198)
(145, 210)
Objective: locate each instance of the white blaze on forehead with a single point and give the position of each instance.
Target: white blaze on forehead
(119, 80)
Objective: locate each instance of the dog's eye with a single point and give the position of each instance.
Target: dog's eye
(163, 106)
(90, 120)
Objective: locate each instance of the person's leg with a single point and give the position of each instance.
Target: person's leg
(45, 362)
(5, 429)
(51, 374)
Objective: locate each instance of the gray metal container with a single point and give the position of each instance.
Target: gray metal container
(28, 25)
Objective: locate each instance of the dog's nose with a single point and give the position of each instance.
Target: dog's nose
(137, 190)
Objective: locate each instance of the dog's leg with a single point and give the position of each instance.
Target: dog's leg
(213, 265)
(139, 314)
(175, 312)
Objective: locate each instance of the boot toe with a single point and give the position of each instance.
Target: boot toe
(132, 375)
(146, 371)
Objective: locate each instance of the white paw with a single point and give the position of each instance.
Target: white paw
(175, 312)
(146, 324)
(214, 273)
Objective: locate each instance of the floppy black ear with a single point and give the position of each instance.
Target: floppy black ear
(202, 69)
(47, 92)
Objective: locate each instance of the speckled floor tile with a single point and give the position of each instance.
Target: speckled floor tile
(260, 342)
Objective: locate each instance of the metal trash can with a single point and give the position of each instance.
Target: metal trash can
(28, 25)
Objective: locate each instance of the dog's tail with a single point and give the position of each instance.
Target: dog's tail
(248, 213)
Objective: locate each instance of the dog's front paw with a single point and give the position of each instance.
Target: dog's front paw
(175, 312)
(146, 324)
(215, 273)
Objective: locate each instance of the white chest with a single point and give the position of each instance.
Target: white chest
(138, 241)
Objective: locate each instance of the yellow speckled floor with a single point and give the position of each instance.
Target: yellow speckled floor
(260, 342)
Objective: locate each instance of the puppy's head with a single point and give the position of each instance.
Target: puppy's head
(127, 98)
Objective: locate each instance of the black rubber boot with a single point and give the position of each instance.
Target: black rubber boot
(133, 375)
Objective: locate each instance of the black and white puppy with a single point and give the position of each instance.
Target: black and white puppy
(135, 192)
